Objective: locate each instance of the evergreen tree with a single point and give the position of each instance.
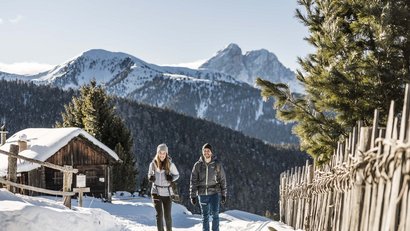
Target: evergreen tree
(361, 62)
(93, 111)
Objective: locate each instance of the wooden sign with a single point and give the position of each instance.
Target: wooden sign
(80, 181)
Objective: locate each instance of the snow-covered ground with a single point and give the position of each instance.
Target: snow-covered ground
(19, 212)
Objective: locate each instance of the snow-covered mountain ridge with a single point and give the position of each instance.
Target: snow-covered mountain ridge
(221, 96)
(121, 73)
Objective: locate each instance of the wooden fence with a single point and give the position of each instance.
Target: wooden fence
(365, 186)
(11, 179)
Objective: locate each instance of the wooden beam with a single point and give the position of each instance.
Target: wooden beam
(36, 189)
(49, 165)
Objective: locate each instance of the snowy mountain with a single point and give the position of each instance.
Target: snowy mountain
(203, 93)
(253, 64)
(125, 213)
(119, 72)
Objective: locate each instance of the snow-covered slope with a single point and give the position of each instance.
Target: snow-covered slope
(9, 76)
(19, 212)
(258, 63)
(239, 107)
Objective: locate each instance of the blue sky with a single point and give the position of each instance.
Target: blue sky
(37, 34)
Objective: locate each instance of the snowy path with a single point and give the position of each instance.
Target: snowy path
(143, 218)
(19, 212)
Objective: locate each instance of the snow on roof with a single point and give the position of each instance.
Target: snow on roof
(43, 143)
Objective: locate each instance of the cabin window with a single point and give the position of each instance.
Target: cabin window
(58, 178)
(91, 177)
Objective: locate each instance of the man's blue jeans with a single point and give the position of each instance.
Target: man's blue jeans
(210, 204)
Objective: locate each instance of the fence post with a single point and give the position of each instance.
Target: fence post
(12, 167)
(67, 181)
(3, 136)
(282, 197)
(109, 184)
(358, 188)
(307, 214)
(22, 143)
(80, 192)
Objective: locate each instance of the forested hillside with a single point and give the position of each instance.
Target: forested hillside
(25, 105)
(252, 166)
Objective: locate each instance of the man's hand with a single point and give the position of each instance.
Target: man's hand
(223, 200)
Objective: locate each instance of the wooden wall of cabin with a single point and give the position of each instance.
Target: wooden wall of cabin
(80, 151)
(35, 178)
(88, 158)
(96, 179)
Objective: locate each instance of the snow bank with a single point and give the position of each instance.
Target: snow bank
(26, 213)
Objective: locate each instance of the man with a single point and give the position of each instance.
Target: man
(207, 182)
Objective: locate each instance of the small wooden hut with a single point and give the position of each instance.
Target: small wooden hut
(62, 146)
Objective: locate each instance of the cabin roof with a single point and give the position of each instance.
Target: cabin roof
(43, 143)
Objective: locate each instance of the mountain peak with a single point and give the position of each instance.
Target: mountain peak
(257, 63)
(232, 49)
(103, 54)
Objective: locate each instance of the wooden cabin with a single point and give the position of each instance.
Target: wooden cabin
(62, 146)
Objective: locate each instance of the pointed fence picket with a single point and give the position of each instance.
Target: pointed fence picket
(365, 186)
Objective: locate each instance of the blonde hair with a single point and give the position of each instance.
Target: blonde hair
(166, 164)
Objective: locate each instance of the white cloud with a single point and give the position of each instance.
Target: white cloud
(17, 19)
(1, 21)
(25, 68)
(193, 65)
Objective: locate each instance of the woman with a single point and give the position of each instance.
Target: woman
(161, 173)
